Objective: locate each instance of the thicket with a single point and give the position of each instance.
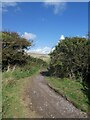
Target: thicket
(14, 55)
(71, 59)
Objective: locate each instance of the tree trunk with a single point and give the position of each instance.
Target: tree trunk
(8, 68)
(14, 67)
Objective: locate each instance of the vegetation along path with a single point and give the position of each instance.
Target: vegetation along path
(47, 103)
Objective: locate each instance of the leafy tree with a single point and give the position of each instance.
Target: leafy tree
(0, 51)
(71, 58)
(13, 49)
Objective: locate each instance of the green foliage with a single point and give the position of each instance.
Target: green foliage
(31, 61)
(13, 84)
(13, 47)
(13, 55)
(71, 58)
(32, 65)
(72, 90)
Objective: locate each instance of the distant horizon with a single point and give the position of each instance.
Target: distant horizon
(45, 23)
(37, 53)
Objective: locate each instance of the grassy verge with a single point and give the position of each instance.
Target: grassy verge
(13, 86)
(72, 90)
(0, 95)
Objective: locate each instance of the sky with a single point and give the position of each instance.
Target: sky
(45, 22)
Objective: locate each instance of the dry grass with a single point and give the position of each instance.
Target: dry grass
(44, 57)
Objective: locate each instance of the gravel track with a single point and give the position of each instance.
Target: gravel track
(47, 103)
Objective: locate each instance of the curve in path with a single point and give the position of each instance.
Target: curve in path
(48, 104)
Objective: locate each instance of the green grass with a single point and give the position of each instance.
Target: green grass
(72, 90)
(19, 73)
(13, 85)
(0, 95)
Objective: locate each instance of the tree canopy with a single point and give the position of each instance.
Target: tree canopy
(13, 49)
(71, 58)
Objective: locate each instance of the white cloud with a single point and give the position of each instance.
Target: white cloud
(15, 0)
(5, 5)
(64, 0)
(62, 37)
(52, 49)
(45, 50)
(84, 36)
(29, 36)
(58, 5)
(0, 7)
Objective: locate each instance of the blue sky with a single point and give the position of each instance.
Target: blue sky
(46, 22)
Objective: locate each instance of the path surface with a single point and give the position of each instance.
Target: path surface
(49, 104)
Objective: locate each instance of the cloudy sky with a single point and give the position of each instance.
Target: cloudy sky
(45, 22)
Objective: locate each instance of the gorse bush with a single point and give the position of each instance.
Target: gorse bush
(71, 58)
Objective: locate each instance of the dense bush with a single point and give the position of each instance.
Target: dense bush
(71, 58)
(13, 52)
(13, 49)
(36, 61)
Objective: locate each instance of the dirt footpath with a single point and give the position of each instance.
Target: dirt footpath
(47, 103)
